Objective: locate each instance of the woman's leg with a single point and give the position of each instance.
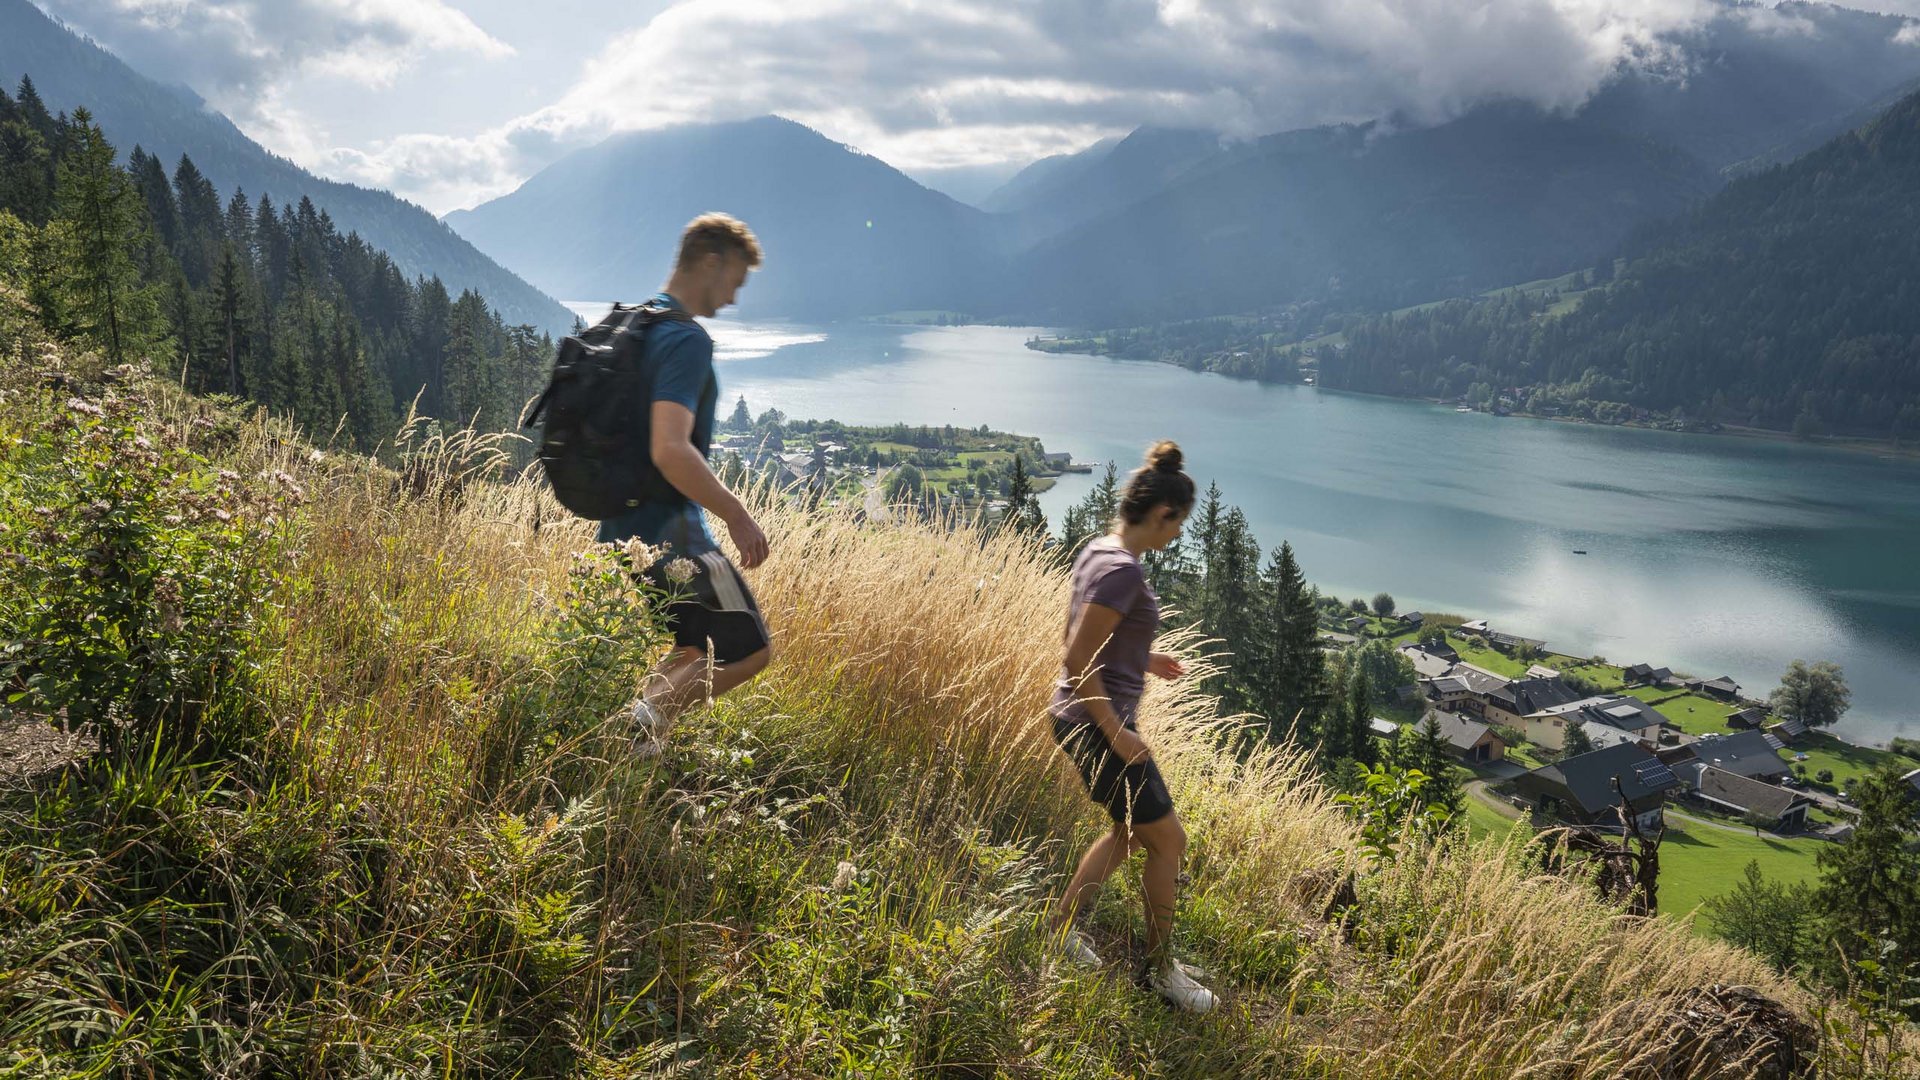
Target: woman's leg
(1106, 855)
(1166, 843)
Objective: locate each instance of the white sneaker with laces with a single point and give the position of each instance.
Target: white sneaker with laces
(1173, 983)
(1078, 950)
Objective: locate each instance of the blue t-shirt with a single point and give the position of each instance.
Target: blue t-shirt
(684, 355)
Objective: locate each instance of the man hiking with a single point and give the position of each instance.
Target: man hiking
(720, 639)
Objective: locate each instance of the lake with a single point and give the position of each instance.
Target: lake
(1709, 554)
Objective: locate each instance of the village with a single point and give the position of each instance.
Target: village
(1699, 758)
(1547, 739)
(940, 472)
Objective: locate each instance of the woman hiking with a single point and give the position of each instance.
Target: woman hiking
(1111, 622)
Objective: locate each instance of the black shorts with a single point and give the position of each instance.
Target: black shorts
(1132, 794)
(713, 610)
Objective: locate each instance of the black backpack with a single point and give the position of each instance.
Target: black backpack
(595, 443)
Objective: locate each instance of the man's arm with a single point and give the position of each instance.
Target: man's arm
(683, 466)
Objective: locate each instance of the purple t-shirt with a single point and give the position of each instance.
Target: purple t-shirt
(1107, 574)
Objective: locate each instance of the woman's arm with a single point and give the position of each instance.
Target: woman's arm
(1091, 630)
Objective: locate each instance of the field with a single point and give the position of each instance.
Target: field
(418, 841)
(1699, 860)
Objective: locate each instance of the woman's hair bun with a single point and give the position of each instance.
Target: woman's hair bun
(1165, 456)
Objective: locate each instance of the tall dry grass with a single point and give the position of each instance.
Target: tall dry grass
(843, 868)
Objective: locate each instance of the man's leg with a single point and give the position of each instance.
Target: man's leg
(687, 678)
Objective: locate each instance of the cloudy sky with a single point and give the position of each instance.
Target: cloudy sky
(452, 102)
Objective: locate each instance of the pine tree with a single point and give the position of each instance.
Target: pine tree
(1023, 512)
(1336, 720)
(99, 221)
(1286, 681)
(741, 420)
(1233, 588)
(1869, 890)
(1093, 515)
(1359, 718)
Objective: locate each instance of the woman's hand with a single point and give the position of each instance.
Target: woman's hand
(1165, 665)
(1127, 743)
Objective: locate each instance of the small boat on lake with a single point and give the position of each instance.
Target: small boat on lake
(1579, 551)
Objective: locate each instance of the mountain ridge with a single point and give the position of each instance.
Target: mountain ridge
(844, 232)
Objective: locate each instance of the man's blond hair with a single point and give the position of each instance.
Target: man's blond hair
(718, 234)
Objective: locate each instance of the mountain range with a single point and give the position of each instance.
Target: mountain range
(1167, 222)
(1155, 224)
(166, 121)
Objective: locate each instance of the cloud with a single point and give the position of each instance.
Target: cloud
(930, 84)
(964, 83)
(241, 54)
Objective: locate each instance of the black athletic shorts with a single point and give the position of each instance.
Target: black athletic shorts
(1132, 794)
(713, 610)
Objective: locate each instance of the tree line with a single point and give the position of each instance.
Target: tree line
(266, 302)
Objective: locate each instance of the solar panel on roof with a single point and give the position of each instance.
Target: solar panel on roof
(1655, 775)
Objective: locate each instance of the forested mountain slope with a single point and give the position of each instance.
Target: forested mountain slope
(262, 301)
(169, 121)
(1790, 300)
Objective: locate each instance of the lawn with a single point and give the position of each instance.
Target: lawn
(1484, 821)
(1698, 861)
(1845, 759)
(1690, 712)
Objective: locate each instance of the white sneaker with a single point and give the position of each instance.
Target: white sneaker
(1181, 991)
(1078, 950)
(646, 719)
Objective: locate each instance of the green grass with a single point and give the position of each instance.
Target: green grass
(1484, 821)
(1848, 762)
(1698, 861)
(1688, 711)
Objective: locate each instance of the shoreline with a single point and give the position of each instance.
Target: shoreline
(1886, 449)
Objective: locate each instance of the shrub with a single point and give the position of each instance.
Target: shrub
(131, 575)
(1825, 776)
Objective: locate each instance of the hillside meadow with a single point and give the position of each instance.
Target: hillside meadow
(361, 806)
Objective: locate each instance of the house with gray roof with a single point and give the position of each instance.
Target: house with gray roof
(1723, 687)
(1467, 739)
(1749, 753)
(1516, 700)
(1425, 664)
(1768, 805)
(1580, 790)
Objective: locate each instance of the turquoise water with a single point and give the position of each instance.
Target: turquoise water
(1712, 555)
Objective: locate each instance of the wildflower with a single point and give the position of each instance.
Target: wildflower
(174, 519)
(222, 515)
(680, 571)
(228, 476)
(844, 875)
(316, 457)
(142, 442)
(81, 405)
(640, 555)
(203, 422)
